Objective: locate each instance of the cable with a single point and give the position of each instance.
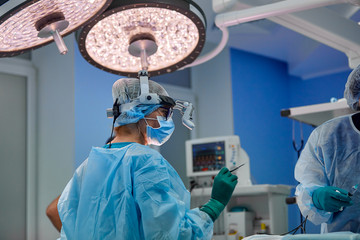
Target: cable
(116, 114)
(112, 131)
(298, 149)
(193, 184)
(302, 226)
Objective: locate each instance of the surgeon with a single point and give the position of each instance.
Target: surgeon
(328, 169)
(127, 190)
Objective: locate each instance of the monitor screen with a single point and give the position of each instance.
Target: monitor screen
(208, 156)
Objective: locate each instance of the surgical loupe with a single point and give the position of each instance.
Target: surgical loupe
(186, 108)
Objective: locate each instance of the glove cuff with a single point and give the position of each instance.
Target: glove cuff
(315, 199)
(213, 208)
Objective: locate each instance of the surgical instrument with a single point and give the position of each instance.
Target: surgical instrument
(353, 190)
(237, 167)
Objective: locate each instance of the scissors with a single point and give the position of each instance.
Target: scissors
(237, 167)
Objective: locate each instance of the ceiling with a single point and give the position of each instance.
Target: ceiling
(306, 58)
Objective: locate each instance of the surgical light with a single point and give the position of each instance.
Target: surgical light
(159, 36)
(32, 24)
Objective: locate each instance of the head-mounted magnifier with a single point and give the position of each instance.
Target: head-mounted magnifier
(186, 108)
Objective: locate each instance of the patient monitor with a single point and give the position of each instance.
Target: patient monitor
(206, 156)
(252, 208)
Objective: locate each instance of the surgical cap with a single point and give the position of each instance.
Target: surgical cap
(352, 89)
(127, 90)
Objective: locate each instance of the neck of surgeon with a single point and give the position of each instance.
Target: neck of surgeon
(129, 133)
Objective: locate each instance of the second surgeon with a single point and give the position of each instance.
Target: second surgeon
(329, 168)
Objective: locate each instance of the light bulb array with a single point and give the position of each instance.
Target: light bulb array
(178, 31)
(17, 27)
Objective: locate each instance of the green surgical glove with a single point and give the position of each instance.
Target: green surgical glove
(224, 185)
(331, 199)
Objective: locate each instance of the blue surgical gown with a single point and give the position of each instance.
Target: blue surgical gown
(129, 192)
(331, 157)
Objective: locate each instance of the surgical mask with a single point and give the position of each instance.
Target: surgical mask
(158, 136)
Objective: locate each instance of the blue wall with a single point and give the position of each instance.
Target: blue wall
(92, 98)
(317, 90)
(261, 88)
(260, 91)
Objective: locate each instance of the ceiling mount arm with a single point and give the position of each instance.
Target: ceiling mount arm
(232, 18)
(213, 53)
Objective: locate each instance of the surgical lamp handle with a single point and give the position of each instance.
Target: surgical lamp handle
(145, 96)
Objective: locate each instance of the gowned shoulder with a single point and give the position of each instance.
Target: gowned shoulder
(335, 121)
(142, 155)
(143, 150)
(333, 132)
(334, 125)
